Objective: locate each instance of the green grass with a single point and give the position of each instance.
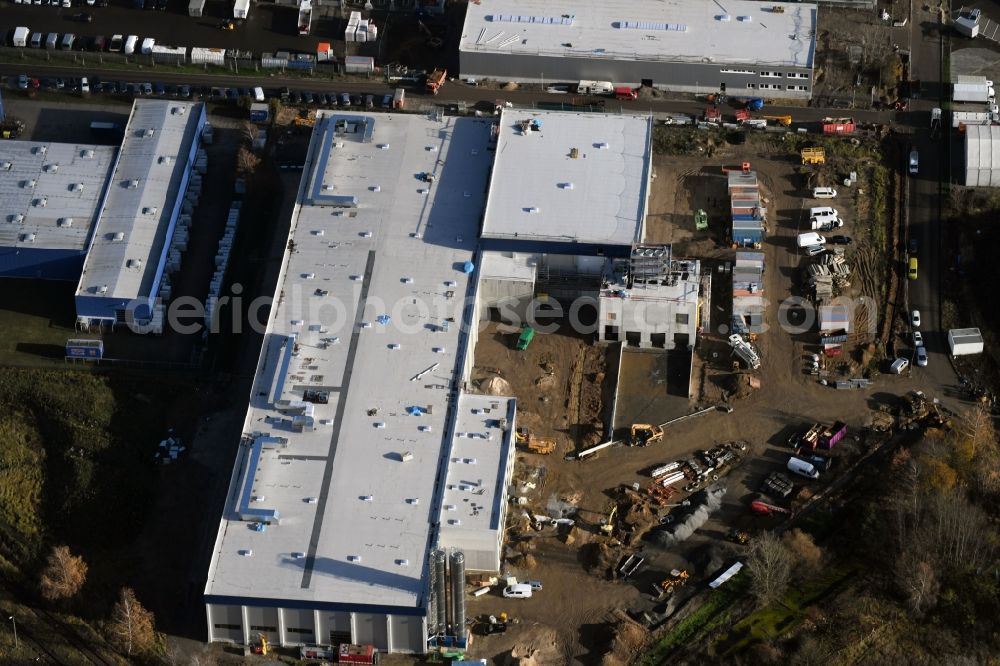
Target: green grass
(36, 319)
(701, 622)
(783, 617)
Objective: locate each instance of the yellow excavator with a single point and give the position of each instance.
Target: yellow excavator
(608, 521)
(541, 445)
(644, 434)
(677, 578)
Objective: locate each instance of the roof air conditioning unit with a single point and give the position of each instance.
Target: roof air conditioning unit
(51, 168)
(103, 289)
(164, 159)
(40, 202)
(353, 558)
(28, 238)
(132, 184)
(134, 263)
(29, 184)
(76, 187)
(87, 154)
(65, 222)
(40, 150)
(149, 132)
(6, 166)
(118, 236)
(17, 218)
(151, 210)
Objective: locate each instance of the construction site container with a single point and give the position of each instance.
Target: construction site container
(839, 127)
(196, 7)
(175, 55)
(399, 98)
(830, 436)
(21, 36)
(206, 56)
(973, 89)
(359, 65)
(965, 341)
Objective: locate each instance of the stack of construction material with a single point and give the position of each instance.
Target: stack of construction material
(221, 264)
(745, 207)
(830, 273)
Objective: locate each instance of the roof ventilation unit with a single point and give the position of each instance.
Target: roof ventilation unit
(29, 184)
(246, 552)
(149, 132)
(177, 110)
(28, 238)
(17, 218)
(5, 166)
(298, 556)
(603, 145)
(76, 187)
(118, 237)
(165, 159)
(65, 222)
(103, 289)
(150, 210)
(87, 154)
(566, 186)
(724, 17)
(51, 168)
(353, 558)
(745, 19)
(134, 263)
(40, 202)
(40, 150)
(132, 184)
(403, 563)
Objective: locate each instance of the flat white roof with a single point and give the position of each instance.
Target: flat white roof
(476, 480)
(580, 177)
(141, 197)
(50, 193)
(732, 32)
(371, 240)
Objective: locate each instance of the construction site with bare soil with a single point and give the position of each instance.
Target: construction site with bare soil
(643, 474)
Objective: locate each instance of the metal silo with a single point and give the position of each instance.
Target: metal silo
(458, 594)
(439, 595)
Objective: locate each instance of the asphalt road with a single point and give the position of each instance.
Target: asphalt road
(927, 192)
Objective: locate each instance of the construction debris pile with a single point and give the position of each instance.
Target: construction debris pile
(705, 466)
(829, 275)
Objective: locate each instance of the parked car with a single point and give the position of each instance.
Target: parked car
(386, 102)
(321, 99)
(369, 101)
(913, 246)
(344, 99)
(911, 268)
(147, 88)
(899, 366)
(159, 89)
(84, 86)
(357, 100)
(184, 91)
(918, 339)
(915, 318)
(922, 356)
(518, 591)
(307, 97)
(22, 82)
(840, 239)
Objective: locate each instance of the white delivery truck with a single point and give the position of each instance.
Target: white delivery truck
(147, 45)
(810, 239)
(241, 9)
(973, 89)
(21, 36)
(802, 468)
(130, 44)
(595, 87)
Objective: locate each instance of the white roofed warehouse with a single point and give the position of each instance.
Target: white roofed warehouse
(982, 155)
(128, 250)
(748, 48)
(50, 196)
(362, 461)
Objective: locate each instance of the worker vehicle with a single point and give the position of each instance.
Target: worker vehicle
(542, 445)
(918, 339)
(824, 213)
(595, 87)
(36, 40)
(840, 239)
(644, 434)
(784, 121)
(625, 93)
(262, 646)
(525, 338)
(608, 521)
(813, 156)
(911, 269)
(821, 463)
(11, 128)
(348, 653)
(116, 43)
(899, 366)
(677, 578)
(435, 80)
(824, 193)
(20, 37)
(738, 536)
(809, 239)
(802, 468)
(130, 44)
(52, 41)
(517, 591)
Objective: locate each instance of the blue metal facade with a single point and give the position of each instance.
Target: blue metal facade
(46, 264)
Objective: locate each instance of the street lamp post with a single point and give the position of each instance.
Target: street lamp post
(14, 623)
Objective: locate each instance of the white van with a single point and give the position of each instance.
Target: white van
(52, 41)
(824, 193)
(518, 591)
(147, 45)
(258, 94)
(823, 213)
(899, 366)
(802, 468)
(595, 87)
(67, 41)
(130, 44)
(810, 238)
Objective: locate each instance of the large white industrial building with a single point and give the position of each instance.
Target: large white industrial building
(50, 196)
(982, 155)
(750, 48)
(361, 454)
(128, 250)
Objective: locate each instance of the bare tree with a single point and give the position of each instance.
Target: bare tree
(63, 576)
(131, 628)
(803, 549)
(916, 577)
(246, 162)
(250, 133)
(959, 530)
(770, 566)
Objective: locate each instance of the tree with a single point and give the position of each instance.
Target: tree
(63, 576)
(916, 577)
(250, 133)
(802, 547)
(770, 567)
(246, 162)
(131, 629)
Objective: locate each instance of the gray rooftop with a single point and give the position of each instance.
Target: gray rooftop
(370, 240)
(141, 197)
(475, 481)
(50, 193)
(582, 177)
(669, 30)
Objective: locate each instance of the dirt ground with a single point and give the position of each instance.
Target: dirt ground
(576, 588)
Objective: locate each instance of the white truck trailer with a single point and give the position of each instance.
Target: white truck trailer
(241, 9)
(965, 341)
(976, 89)
(21, 36)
